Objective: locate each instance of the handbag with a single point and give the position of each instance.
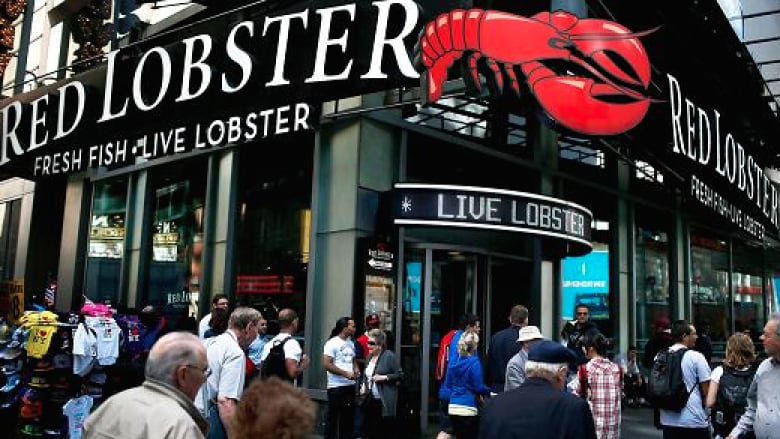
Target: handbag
(364, 385)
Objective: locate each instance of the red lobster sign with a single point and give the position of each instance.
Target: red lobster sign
(609, 98)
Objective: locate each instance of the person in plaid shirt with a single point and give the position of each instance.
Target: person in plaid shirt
(600, 383)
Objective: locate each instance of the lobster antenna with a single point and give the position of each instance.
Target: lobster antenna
(614, 36)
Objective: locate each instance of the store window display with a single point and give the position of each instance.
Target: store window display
(652, 279)
(710, 289)
(747, 291)
(273, 228)
(106, 240)
(179, 194)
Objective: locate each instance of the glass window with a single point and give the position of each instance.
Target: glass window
(652, 279)
(178, 197)
(710, 288)
(106, 241)
(274, 228)
(747, 290)
(585, 280)
(9, 234)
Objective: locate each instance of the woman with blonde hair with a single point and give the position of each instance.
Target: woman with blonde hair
(727, 395)
(464, 378)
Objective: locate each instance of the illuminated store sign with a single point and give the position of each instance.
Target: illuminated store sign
(492, 209)
(611, 99)
(699, 137)
(250, 74)
(228, 80)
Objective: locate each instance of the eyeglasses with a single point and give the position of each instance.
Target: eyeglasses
(204, 370)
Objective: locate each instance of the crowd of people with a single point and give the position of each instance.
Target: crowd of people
(230, 381)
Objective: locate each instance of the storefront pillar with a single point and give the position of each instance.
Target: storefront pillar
(622, 281)
(680, 299)
(219, 228)
(73, 244)
(137, 250)
(354, 161)
(546, 289)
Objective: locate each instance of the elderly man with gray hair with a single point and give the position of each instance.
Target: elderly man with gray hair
(162, 405)
(219, 397)
(762, 414)
(540, 408)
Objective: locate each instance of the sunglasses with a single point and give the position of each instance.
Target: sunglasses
(582, 313)
(371, 343)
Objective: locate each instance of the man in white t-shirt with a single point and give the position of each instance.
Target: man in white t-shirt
(218, 301)
(692, 421)
(342, 368)
(218, 398)
(295, 360)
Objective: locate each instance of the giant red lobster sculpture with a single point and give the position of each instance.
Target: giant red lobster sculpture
(611, 100)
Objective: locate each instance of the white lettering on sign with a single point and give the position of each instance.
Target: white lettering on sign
(149, 84)
(696, 133)
(585, 284)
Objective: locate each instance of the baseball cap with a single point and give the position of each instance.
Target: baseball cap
(548, 351)
(662, 323)
(372, 319)
(529, 333)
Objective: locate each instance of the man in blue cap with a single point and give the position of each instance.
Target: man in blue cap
(540, 408)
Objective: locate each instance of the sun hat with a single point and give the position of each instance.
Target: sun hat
(529, 333)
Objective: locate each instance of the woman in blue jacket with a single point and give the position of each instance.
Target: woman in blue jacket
(464, 379)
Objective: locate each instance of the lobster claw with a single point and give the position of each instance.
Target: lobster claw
(578, 103)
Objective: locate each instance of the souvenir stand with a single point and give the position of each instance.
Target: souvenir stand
(58, 367)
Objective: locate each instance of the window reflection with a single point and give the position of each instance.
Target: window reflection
(106, 240)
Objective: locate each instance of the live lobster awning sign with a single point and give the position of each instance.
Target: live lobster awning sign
(256, 73)
(479, 208)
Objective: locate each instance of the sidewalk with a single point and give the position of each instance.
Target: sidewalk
(638, 424)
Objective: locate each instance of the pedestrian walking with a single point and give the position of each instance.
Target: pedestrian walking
(448, 352)
(273, 408)
(175, 370)
(600, 384)
(342, 369)
(467, 386)
(218, 323)
(573, 331)
(729, 384)
(218, 301)
(294, 361)
(515, 369)
(219, 397)
(692, 421)
(380, 384)
(540, 408)
(762, 415)
(503, 346)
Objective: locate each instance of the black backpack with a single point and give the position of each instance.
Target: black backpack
(732, 399)
(275, 364)
(666, 387)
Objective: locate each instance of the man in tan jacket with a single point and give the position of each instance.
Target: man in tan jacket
(162, 406)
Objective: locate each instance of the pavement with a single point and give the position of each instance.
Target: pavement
(637, 423)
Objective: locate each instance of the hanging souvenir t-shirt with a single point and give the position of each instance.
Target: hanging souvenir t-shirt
(39, 340)
(107, 334)
(77, 410)
(84, 350)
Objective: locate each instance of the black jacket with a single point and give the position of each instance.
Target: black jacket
(536, 410)
(573, 334)
(503, 346)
